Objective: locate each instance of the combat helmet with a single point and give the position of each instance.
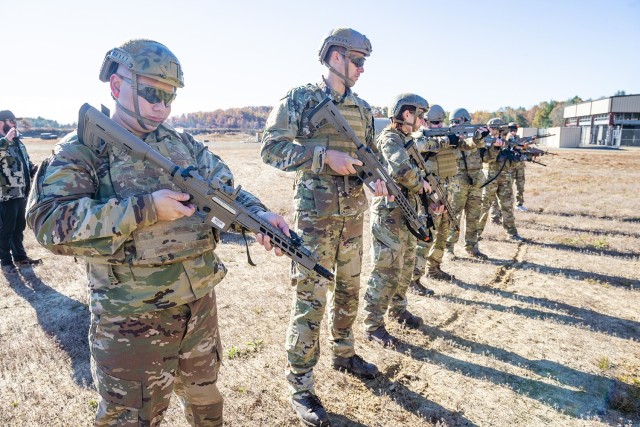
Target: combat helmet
(351, 41)
(142, 57)
(495, 122)
(459, 116)
(436, 114)
(513, 126)
(348, 38)
(406, 99)
(145, 58)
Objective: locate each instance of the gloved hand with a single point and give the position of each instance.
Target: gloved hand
(482, 132)
(454, 140)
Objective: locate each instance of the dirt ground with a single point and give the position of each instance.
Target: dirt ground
(544, 333)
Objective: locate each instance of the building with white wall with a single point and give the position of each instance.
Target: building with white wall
(613, 121)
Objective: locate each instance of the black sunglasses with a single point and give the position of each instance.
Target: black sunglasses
(358, 61)
(436, 122)
(151, 94)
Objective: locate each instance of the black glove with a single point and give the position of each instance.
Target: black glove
(453, 140)
(481, 133)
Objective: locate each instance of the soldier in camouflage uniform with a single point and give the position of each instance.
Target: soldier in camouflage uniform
(467, 194)
(150, 258)
(15, 181)
(500, 186)
(441, 162)
(393, 246)
(329, 206)
(517, 176)
(517, 170)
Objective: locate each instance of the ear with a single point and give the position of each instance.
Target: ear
(115, 82)
(405, 115)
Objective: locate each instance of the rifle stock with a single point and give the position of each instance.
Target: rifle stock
(371, 170)
(213, 198)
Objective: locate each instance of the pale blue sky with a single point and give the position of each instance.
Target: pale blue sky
(478, 55)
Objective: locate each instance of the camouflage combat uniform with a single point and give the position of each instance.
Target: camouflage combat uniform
(393, 246)
(517, 175)
(15, 182)
(329, 209)
(467, 194)
(443, 165)
(154, 321)
(501, 187)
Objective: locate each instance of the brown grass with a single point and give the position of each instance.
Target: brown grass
(544, 333)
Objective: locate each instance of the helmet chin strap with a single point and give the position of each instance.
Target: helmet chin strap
(136, 114)
(345, 77)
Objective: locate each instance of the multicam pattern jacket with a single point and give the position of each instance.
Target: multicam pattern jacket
(97, 204)
(394, 157)
(15, 168)
(291, 144)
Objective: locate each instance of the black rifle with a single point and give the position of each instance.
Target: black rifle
(371, 169)
(438, 194)
(461, 130)
(213, 198)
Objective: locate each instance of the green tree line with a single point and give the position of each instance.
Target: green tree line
(543, 115)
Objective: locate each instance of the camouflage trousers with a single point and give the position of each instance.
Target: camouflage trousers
(392, 255)
(500, 188)
(467, 198)
(337, 241)
(430, 254)
(138, 360)
(517, 174)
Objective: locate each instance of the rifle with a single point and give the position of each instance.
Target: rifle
(438, 195)
(464, 130)
(528, 153)
(371, 169)
(215, 199)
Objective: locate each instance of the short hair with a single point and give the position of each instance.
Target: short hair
(340, 49)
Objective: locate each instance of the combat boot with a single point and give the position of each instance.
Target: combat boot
(418, 288)
(407, 319)
(496, 220)
(309, 409)
(474, 252)
(521, 208)
(382, 337)
(515, 238)
(355, 365)
(436, 273)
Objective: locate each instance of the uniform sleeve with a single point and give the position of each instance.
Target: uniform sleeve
(431, 145)
(67, 218)
(398, 162)
(212, 166)
(278, 146)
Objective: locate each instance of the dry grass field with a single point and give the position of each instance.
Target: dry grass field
(544, 333)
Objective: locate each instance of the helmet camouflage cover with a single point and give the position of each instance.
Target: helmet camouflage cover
(436, 114)
(348, 38)
(404, 99)
(495, 122)
(146, 58)
(460, 114)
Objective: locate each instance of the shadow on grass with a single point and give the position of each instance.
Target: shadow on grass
(586, 250)
(414, 402)
(562, 313)
(529, 225)
(583, 250)
(63, 318)
(590, 216)
(338, 420)
(578, 394)
(569, 273)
